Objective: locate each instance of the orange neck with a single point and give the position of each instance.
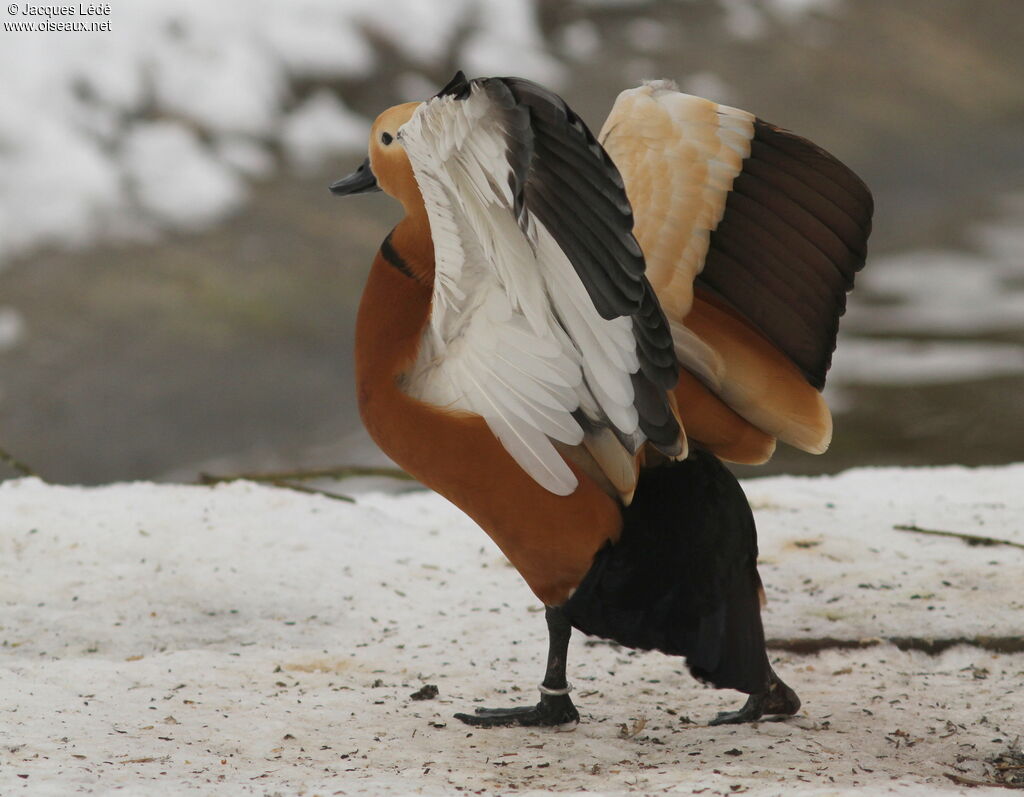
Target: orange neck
(395, 306)
(396, 303)
(392, 314)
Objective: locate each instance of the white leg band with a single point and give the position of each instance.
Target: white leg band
(546, 690)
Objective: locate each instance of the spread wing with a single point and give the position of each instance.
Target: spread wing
(542, 321)
(752, 237)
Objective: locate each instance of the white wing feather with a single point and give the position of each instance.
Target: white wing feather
(513, 336)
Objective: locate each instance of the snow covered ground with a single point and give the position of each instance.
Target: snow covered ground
(249, 640)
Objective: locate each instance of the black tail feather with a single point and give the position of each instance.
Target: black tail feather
(682, 578)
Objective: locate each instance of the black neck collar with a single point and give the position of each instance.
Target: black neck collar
(390, 254)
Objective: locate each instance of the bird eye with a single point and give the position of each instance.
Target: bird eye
(386, 138)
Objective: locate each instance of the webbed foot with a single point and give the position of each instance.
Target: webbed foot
(778, 700)
(551, 710)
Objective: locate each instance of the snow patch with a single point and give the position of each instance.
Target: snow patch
(936, 292)
(425, 31)
(612, 3)
(708, 85)
(796, 9)
(229, 88)
(245, 155)
(580, 39)
(1002, 239)
(61, 200)
(948, 292)
(910, 362)
(320, 127)
(744, 19)
(176, 178)
(12, 328)
(646, 35)
(508, 41)
(748, 20)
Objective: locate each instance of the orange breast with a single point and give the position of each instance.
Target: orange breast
(551, 540)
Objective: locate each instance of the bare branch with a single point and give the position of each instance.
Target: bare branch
(301, 488)
(970, 539)
(962, 781)
(209, 481)
(16, 464)
(932, 646)
(338, 473)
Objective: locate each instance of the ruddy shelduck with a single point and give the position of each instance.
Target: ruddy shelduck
(566, 335)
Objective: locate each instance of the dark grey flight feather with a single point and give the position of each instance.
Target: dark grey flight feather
(578, 191)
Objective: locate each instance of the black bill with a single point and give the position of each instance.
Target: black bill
(361, 181)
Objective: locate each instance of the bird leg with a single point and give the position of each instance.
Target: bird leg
(555, 706)
(778, 699)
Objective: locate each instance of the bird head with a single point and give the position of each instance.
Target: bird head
(387, 167)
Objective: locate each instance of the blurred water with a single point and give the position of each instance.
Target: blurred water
(229, 348)
(935, 316)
